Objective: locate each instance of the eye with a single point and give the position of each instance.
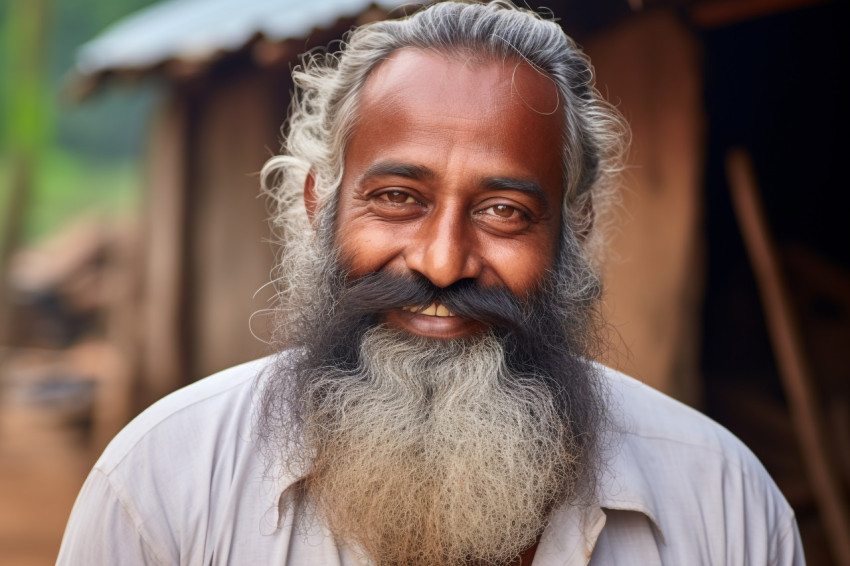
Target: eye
(504, 218)
(397, 197)
(503, 211)
(396, 204)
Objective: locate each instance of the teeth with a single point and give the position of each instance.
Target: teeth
(431, 310)
(443, 311)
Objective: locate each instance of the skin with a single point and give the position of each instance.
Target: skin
(453, 171)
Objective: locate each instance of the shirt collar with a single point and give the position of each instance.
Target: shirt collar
(624, 483)
(622, 486)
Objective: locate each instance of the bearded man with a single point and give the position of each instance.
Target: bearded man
(433, 401)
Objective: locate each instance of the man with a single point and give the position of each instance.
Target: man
(433, 401)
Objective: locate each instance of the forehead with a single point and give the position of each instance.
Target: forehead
(462, 114)
(490, 83)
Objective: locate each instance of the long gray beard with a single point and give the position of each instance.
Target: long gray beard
(433, 453)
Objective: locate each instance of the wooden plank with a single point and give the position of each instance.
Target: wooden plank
(229, 255)
(654, 269)
(163, 360)
(794, 368)
(121, 359)
(717, 13)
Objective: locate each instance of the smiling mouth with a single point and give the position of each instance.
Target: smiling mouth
(434, 309)
(433, 320)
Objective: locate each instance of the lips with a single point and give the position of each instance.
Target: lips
(434, 309)
(433, 320)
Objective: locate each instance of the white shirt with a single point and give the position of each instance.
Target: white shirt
(184, 484)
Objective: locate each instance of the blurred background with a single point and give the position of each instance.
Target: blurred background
(134, 249)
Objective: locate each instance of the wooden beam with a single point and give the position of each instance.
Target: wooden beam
(718, 13)
(163, 363)
(794, 368)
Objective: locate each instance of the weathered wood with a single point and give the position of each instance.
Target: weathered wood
(229, 256)
(11, 227)
(716, 13)
(121, 360)
(650, 67)
(816, 280)
(784, 332)
(162, 363)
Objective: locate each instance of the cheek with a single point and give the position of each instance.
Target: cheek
(521, 268)
(366, 248)
(355, 245)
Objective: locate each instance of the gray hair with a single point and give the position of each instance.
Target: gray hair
(328, 87)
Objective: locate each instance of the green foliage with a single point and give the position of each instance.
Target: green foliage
(85, 155)
(24, 110)
(66, 185)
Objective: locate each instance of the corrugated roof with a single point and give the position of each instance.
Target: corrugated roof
(197, 29)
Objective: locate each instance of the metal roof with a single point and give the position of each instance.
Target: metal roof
(197, 29)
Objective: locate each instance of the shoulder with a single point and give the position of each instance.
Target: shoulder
(704, 490)
(208, 410)
(641, 412)
(167, 487)
(668, 436)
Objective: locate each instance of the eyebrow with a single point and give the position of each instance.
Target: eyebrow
(395, 169)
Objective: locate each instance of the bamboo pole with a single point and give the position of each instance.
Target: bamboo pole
(25, 120)
(794, 368)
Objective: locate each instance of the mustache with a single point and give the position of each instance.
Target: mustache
(381, 291)
(529, 328)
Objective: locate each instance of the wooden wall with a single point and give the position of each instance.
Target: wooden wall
(230, 253)
(650, 67)
(208, 248)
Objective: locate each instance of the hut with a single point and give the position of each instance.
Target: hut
(752, 328)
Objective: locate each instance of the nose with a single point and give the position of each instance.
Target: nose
(444, 249)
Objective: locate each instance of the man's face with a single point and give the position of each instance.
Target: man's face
(418, 448)
(453, 172)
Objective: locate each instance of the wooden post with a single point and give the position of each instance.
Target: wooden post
(163, 362)
(793, 366)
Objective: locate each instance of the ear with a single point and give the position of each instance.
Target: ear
(311, 199)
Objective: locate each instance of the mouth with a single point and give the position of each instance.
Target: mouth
(433, 320)
(434, 309)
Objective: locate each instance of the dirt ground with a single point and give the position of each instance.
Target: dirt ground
(44, 459)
